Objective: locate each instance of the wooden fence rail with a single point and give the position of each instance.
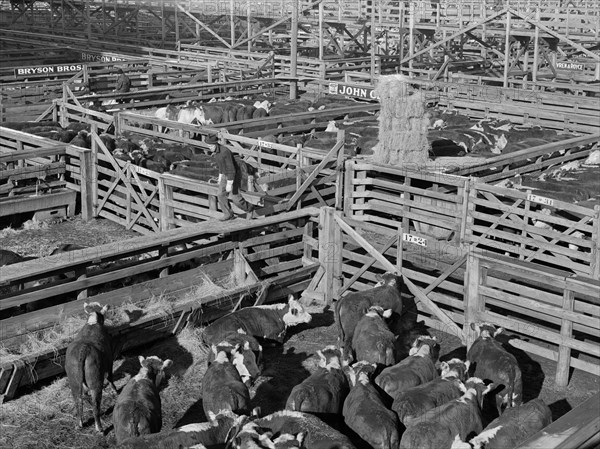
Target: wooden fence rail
(440, 211)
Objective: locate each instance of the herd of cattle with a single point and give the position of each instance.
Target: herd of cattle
(380, 388)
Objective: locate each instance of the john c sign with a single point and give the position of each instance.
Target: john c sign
(22, 72)
(352, 91)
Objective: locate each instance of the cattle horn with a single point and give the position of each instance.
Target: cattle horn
(104, 309)
(498, 331)
(141, 358)
(167, 363)
(387, 313)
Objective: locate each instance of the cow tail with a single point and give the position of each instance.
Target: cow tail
(134, 423)
(81, 358)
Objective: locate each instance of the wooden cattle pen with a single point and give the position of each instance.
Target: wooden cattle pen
(36, 177)
(267, 260)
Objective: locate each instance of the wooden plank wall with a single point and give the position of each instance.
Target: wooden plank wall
(452, 212)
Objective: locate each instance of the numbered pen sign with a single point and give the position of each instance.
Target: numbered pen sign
(540, 200)
(265, 144)
(414, 239)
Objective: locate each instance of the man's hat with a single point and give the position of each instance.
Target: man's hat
(211, 140)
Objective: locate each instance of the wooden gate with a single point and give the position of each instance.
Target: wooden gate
(125, 193)
(533, 228)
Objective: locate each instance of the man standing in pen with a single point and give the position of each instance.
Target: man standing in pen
(229, 179)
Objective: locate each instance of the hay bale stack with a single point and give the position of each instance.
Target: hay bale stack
(403, 124)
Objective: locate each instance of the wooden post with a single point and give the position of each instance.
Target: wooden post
(166, 210)
(339, 167)
(471, 298)
(294, 50)
(373, 41)
(308, 249)
(163, 253)
(536, 48)
(411, 38)
(321, 50)
(95, 178)
(239, 267)
(330, 254)
(564, 352)
(87, 183)
(348, 176)
(507, 49)
(595, 259)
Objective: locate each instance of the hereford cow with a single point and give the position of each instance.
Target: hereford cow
(366, 414)
(222, 385)
(317, 434)
(492, 362)
(89, 359)
(209, 434)
(263, 322)
(438, 427)
(511, 429)
(373, 342)
(138, 407)
(416, 369)
(324, 391)
(247, 347)
(414, 402)
(350, 309)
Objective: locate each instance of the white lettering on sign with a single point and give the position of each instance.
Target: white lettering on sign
(352, 91)
(48, 69)
(540, 199)
(414, 239)
(569, 66)
(97, 57)
(264, 144)
(143, 171)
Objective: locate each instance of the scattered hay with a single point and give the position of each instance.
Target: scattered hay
(403, 124)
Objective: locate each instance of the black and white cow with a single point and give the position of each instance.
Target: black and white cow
(209, 434)
(324, 391)
(222, 385)
(438, 427)
(492, 362)
(415, 401)
(388, 295)
(312, 431)
(269, 323)
(416, 369)
(511, 429)
(138, 408)
(366, 414)
(373, 341)
(250, 349)
(89, 359)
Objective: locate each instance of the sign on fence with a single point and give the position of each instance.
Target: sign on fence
(352, 91)
(410, 238)
(569, 66)
(47, 70)
(540, 200)
(99, 57)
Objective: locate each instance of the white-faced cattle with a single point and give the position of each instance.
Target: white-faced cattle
(208, 434)
(373, 342)
(263, 322)
(316, 434)
(250, 349)
(222, 385)
(438, 427)
(351, 308)
(89, 359)
(138, 408)
(416, 369)
(511, 429)
(366, 414)
(415, 401)
(324, 391)
(492, 362)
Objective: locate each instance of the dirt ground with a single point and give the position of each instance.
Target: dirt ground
(43, 419)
